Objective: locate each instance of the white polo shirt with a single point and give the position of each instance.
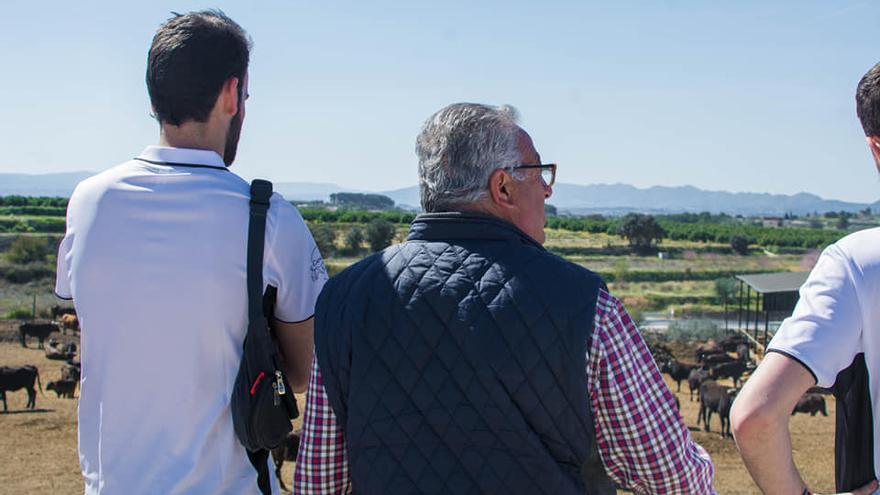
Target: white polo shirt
(834, 332)
(155, 260)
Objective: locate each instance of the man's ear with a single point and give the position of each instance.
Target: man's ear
(228, 98)
(501, 188)
(874, 145)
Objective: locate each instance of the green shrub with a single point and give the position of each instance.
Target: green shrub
(42, 211)
(642, 231)
(19, 313)
(740, 244)
(592, 224)
(28, 249)
(725, 289)
(39, 201)
(693, 331)
(354, 239)
(380, 233)
(325, 239)
(673, 275)
(47, 225)
(53, 225)
(22, 274)
(312, 214)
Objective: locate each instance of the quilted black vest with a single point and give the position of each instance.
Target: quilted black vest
(456, 362)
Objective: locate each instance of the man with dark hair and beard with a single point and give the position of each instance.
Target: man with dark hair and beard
(154, 258)
(831, 340)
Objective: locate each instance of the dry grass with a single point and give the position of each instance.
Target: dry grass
(812, 438)
(40, 447)
(581, 248)
(14, 296)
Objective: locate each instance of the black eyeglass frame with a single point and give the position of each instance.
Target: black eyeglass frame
(543, 166)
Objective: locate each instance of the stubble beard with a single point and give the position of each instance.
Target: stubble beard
(232, 136)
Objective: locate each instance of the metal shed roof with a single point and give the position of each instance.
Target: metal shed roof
(769, 283)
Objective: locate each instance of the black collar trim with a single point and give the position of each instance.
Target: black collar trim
(175, 164)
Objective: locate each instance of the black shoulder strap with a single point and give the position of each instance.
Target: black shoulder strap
(261, 191)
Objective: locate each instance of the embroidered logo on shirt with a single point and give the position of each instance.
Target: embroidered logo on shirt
(319, 271)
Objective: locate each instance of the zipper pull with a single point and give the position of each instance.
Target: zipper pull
(279, 383)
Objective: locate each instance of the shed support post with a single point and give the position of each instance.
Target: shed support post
(739, 316)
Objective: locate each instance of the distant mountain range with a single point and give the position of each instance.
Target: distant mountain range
(613, 199)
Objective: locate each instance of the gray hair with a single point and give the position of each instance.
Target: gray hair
(459, 147)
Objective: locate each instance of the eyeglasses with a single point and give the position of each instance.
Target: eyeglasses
(548, 172)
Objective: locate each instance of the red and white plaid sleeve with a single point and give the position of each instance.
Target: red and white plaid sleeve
(642, 440)
(322, 459)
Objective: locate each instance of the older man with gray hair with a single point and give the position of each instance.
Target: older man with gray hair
(468, 359)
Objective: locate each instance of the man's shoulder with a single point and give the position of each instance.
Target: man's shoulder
(356, 279)
(355, 271)
(863, 246)
(103, 180)
(858, 253)
(284, 210)
(385, 263)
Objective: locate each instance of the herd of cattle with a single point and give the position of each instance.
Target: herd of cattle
(729, 357)
(25, 377)
(63, 319)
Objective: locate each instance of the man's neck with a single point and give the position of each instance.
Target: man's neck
(484, 208)
(193, 135)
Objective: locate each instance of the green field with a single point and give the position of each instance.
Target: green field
(684, 281)
(679, 273)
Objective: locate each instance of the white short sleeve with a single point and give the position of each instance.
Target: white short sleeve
(62, 268)
(293, 264)
(824, 331)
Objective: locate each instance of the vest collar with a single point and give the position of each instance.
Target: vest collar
(451, 225)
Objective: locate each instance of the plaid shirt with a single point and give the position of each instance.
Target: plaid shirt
(642, 440)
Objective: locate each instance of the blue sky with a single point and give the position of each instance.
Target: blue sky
(739, 96)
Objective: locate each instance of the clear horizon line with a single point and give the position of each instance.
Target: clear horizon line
(384, 190)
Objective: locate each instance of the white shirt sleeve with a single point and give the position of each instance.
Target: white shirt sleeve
(824, 332)
(62, 267)
(293, 263)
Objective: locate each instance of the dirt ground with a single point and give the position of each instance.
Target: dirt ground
(38, 448)
(812, 440)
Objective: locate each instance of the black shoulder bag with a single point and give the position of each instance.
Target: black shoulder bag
(262, 402)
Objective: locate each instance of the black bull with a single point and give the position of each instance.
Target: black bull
(18, 377)
(732, 370)
(38, 330)
(811, 404)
